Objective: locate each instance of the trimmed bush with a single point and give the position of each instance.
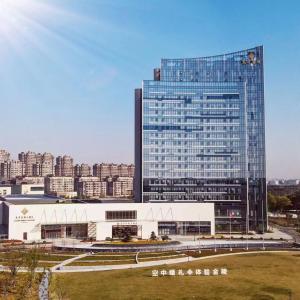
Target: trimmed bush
(165, 238)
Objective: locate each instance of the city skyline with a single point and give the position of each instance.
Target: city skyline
(78, 96)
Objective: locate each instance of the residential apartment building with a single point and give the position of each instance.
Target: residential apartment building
(82, 170)
(28, 189)
(5, 190)
(4, 155)
(11, 169)
(30, 180)
(60, 185)
(64, 166)
(92, 188)
(131, 170)
(111, 170)
(29, 159)
(47, 165)
(120, 186)
(37, 164)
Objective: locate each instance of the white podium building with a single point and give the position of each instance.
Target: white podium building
(39, 218)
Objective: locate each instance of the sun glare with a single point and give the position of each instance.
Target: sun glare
(12, 15)
(27, 22)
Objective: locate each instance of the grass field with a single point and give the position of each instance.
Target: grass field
(265, 276)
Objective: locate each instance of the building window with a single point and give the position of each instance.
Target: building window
(120, 215)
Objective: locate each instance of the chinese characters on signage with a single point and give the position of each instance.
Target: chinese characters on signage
(189, 272)
(24, 217)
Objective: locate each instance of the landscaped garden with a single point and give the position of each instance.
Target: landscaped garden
(264, 276)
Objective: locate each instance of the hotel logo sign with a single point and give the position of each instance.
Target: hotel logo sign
(24, 211)
(251, 59)
(24, 216)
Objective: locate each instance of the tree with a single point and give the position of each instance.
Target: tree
(295, 198)
(31, 259)
(20, 286)
(271, 202)
(14, 260)
(283, 203)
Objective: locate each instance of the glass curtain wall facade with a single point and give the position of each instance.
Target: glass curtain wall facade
(200, 137)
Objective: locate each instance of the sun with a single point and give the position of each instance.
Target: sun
(29, 22)
(12, 14)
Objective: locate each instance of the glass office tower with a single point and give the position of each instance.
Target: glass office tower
(200, 137)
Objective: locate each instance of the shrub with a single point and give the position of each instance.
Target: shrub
(108, 239)
(165, 238)
(153, 236)
(127, 238)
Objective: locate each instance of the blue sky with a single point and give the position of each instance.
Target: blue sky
(68, 69)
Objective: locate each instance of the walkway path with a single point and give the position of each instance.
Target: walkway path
(290, 231)
(68, 261)
(44, 286)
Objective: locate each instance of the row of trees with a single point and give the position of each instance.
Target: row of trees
(278, 203)
(20, 285)
(25, 285)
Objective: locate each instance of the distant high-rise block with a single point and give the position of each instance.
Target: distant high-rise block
(111, 170)
(82, 170)
(59, 185)
(11, 169)
(120, 186)
(4, 156)
(64, 166)
(90, 186)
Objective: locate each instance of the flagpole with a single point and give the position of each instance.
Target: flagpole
(230, 230)
(215, 242)
(263, 224)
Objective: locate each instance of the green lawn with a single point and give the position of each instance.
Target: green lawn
(263, 276)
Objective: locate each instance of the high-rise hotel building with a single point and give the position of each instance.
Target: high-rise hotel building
(200, 137)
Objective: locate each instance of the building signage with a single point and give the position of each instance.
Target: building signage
(126, 223)
(24, 216)
(190, 272)
(251, 59)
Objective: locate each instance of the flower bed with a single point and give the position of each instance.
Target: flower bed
(136, 244)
